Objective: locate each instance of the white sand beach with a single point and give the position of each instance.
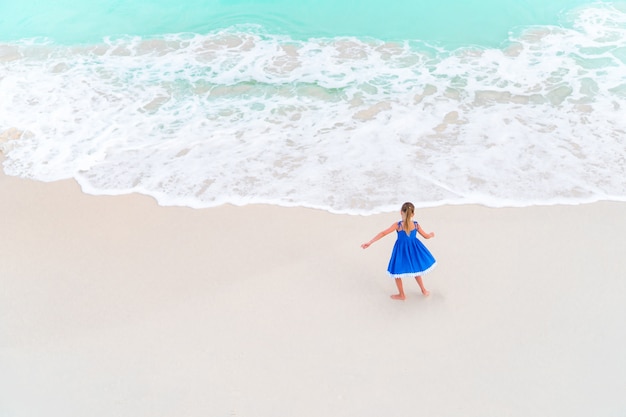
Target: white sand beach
(115, 306)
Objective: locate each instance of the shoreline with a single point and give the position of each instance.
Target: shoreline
(113, 305)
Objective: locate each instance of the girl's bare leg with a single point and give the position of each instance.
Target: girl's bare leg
(421, 284)
(400, 295)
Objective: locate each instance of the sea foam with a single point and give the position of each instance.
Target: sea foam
(347, 125)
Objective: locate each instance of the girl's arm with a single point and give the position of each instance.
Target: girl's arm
(380, 235)
(423, 233)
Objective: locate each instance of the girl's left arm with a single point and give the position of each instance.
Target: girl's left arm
(379, 236)
(423, 233)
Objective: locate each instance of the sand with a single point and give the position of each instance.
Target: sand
(115, 306)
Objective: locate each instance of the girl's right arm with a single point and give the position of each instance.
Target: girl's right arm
(423, 233)
(380, 235)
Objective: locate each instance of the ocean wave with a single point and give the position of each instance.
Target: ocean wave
(343, 124)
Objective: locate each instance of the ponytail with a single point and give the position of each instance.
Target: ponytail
(408, 209)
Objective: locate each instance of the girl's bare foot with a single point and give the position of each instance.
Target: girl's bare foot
(398, 297)
(425, 292)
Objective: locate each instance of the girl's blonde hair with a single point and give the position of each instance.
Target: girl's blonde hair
(408, 209)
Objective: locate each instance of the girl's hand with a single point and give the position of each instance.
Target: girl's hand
(366, 245)
(431, 234)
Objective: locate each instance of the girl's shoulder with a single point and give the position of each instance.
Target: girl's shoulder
(399, 225)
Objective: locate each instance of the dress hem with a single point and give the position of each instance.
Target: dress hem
(413, 274)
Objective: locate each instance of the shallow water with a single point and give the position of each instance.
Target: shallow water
(200, 109)
(448, 22)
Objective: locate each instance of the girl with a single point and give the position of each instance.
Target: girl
(409, 257)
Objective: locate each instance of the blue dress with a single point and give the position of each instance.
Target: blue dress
(409, 257)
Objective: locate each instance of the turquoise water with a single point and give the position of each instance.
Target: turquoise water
(449, 22)
(349, 107)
